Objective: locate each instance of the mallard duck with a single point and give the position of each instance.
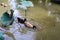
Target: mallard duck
(7, 19)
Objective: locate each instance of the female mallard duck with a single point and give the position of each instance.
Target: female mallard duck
(7, 19)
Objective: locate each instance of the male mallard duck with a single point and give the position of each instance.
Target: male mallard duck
(7, 19)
